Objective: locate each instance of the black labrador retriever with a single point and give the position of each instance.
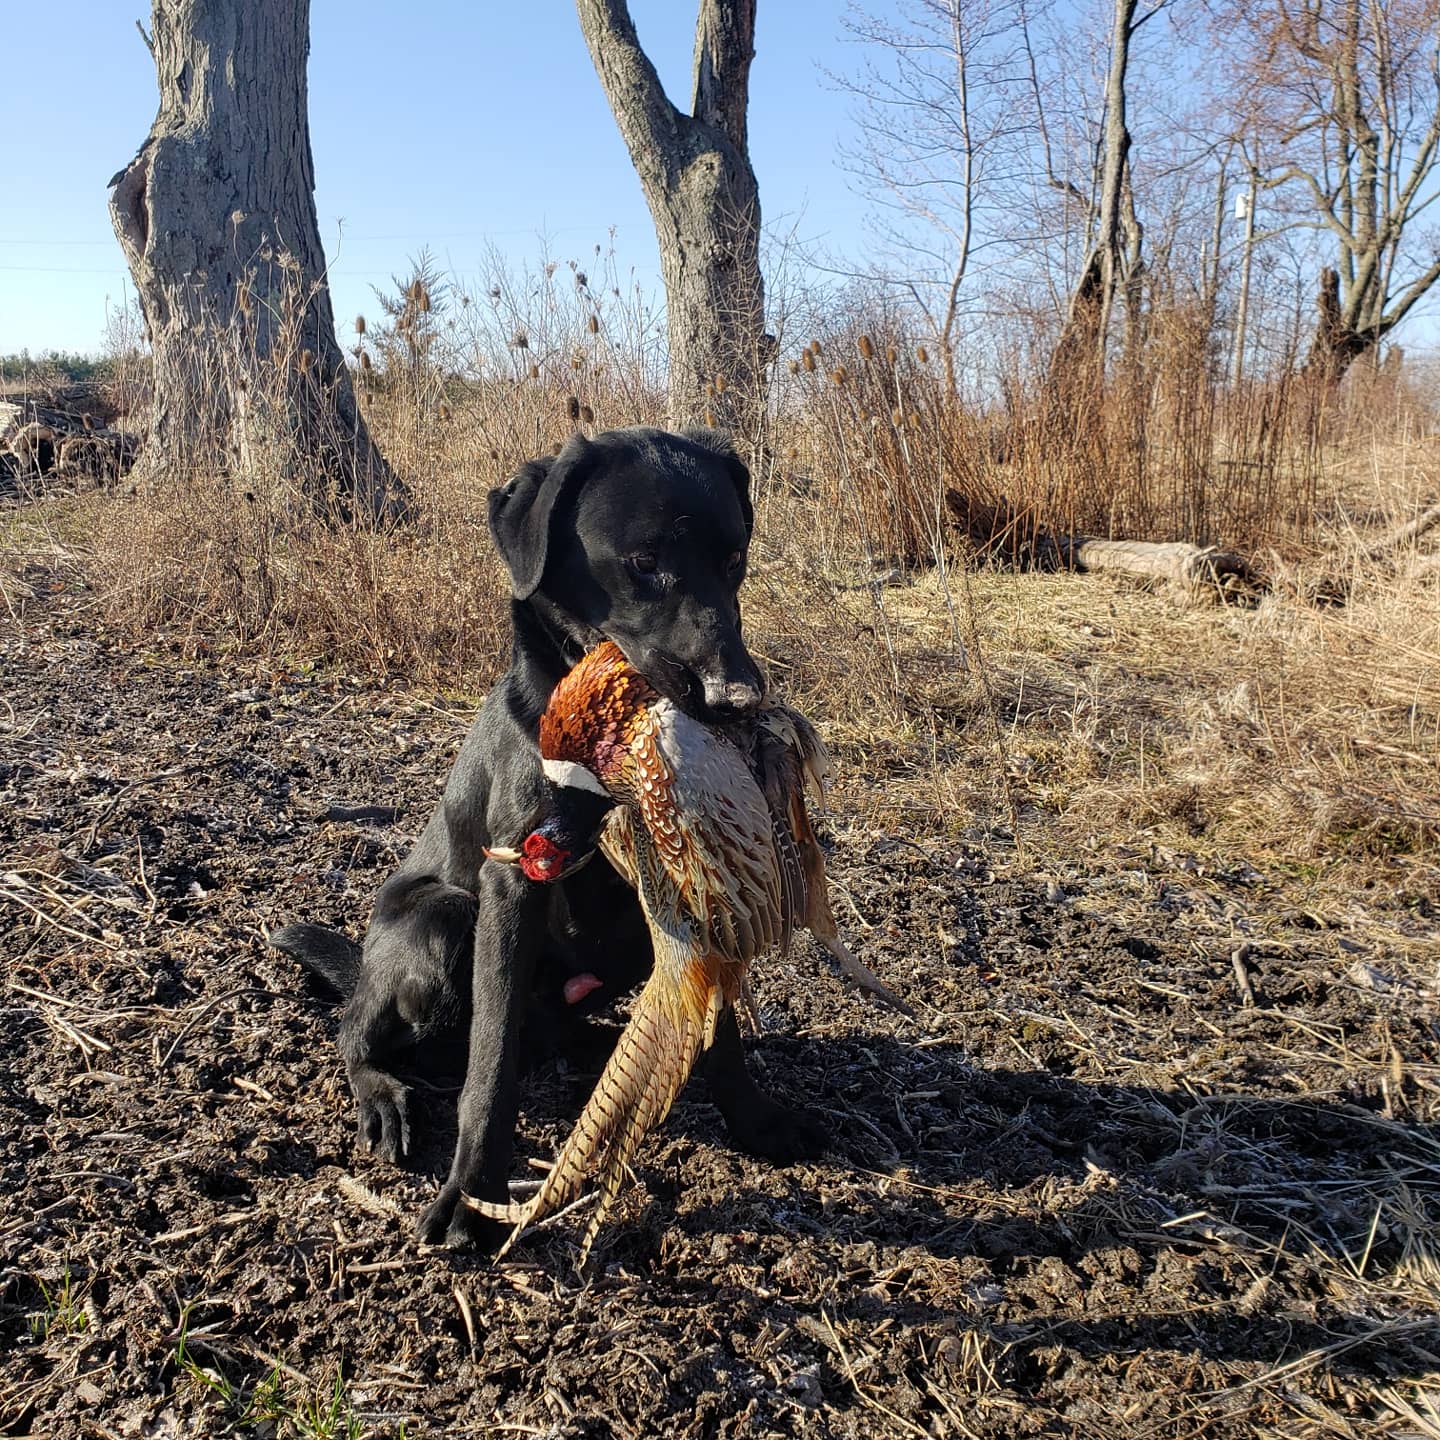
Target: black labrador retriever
(638, 536)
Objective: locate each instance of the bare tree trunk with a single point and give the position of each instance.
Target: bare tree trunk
(216, 216)
(1339, 340)
(1210, 259)
(703, 198)
(1115, 250)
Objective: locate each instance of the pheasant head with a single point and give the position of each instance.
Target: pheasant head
(585, 753)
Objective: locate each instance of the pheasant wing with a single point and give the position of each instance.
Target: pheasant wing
(711, 830)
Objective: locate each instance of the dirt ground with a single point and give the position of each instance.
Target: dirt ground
(1086, 1191)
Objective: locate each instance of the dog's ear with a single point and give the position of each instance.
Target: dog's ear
(521, 512)
(719, 443)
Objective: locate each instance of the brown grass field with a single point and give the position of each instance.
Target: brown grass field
(1157, 1154)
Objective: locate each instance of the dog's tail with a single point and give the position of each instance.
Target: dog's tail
(331, 957)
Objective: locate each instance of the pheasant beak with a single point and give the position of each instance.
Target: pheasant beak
(504, 854)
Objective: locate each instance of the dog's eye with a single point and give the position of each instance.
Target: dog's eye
(734, 563)
(644, 563)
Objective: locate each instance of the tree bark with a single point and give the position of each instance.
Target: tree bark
(216, 216)
(700, 187)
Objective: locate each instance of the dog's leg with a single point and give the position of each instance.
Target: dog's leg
(376, 1032)
(412, 986)
(510, 933)
(757, 1122)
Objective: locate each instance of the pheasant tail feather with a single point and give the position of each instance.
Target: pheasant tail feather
(669, 1025)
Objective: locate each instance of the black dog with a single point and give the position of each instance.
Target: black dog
(640, 537)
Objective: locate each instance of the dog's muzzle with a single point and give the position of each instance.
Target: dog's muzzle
(739, 697)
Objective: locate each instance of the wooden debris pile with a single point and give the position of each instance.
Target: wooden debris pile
(69, 435)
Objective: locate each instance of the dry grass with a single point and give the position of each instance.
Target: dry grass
(1082, 710)
(1160, 451)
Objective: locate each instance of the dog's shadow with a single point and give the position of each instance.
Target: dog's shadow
(1150, 1216)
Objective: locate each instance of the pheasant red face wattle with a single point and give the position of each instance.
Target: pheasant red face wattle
(542, 859)
(539, 858)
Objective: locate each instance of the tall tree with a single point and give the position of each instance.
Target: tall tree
(700, 187)
(1346, 95)
(1114, 263)
(216, 216)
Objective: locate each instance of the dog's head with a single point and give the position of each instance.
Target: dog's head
(641, 536)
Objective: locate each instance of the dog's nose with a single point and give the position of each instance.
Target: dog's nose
(739, 697)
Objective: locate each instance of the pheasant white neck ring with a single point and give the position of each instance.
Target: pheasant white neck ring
(575, 776)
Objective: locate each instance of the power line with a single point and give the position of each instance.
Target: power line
(346, 237)
(60, 270)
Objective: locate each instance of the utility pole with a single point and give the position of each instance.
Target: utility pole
(1247, 204)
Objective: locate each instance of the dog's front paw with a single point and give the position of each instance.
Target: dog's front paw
(778, 1133)
(383, 1104)
(450, 1221)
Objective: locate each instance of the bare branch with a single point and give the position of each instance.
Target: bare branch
(649, 123)
(724, 48)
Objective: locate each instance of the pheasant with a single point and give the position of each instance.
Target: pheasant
(717, 842)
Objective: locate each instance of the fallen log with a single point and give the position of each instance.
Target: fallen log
(100, 455)
(1405, 535)
(62, 406)
(35, 438)
(1196, 570)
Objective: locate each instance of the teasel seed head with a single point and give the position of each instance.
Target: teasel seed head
(359, 324)
(587, 415)
(594, 324)
(305, 360)
(866, 349)
(839, 374)
(890, 355)
(922, 354)
(807, 359)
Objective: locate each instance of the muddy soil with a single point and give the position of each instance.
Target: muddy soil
(1087, 1190)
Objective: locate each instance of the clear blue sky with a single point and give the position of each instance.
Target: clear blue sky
(443, 123)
